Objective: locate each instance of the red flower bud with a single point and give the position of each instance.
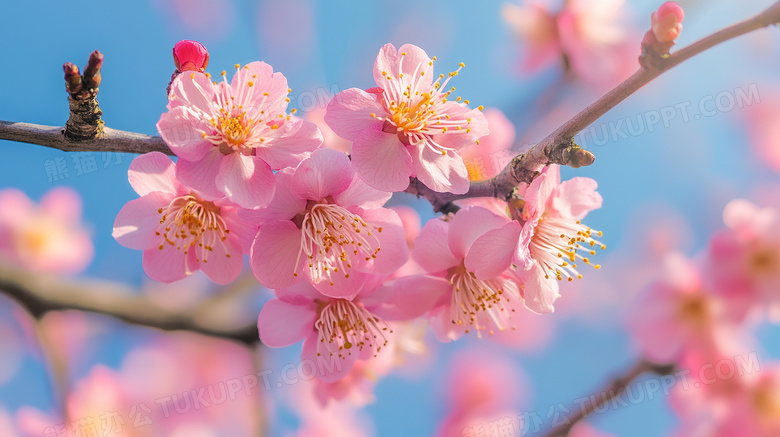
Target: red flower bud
(190, 56)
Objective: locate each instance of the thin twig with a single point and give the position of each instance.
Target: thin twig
(613, 391)
(559, 147)
(39, 294)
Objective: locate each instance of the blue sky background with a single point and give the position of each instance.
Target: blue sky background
(689, 170)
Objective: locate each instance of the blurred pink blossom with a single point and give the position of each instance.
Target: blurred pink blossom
(588, 34)
(744, 259)
(486, 159)
(47, 237)
(677, 316)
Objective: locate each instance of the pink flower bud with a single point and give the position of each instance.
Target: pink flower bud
(667, 22)
(190, 56)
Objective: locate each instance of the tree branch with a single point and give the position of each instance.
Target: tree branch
(111, 140)
(559, 147)
(39, 294)
(613, 391)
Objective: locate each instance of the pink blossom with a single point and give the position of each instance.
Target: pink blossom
(330, 139)
(179, 229)
(229, 137)
(338, 332)
(745, 258)
(492, 154)
(553, 239)
(190, 55)
(474, 253)
(583, 429)
(325, 223)
(482, 387)
(746, 404)
(48, 237)
(764, 132)
(586, 33)
(675, 316)
(407, 126)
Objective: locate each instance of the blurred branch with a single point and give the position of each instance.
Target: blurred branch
(39, 293)
(612, 391)
(560, 148)
(58, 368)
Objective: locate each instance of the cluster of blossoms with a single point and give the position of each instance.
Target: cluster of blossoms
(697, 315)
(254, 179)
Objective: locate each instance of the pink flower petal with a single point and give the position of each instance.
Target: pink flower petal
(540, 191)
(275, 253)
(193, 90)
(16, 206)
(469, 224)
(329, 368)
(62, 203)
(221, 268)
(392, 241)
(576, 197)
(409, 60)
(407, 298)
(151, 172)
(246, 180)
(138, 220)
(243, 230)
(360, 194)
(349, 113)
(457, 139)
(281, 324)
(168, 264)
(339, 286)
(264, 81)
(182, 129)
(201, 175)
(297, 138)
(491, 254)
(540, 293)
(382, 161)
(441, 324)
(327, 172)
(432, 250)
(286, 203)
(441, 173)
(302, 293)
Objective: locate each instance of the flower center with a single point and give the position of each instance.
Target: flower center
(766, 403)
(764, 261)
(416, 109)
(235, 129)
(481, 304)
(695, 309)
(344, 325)
(244, 122)
(558, 243)
(188, 223)
(334, 240)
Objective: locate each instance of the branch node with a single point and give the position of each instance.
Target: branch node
(84, 122)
